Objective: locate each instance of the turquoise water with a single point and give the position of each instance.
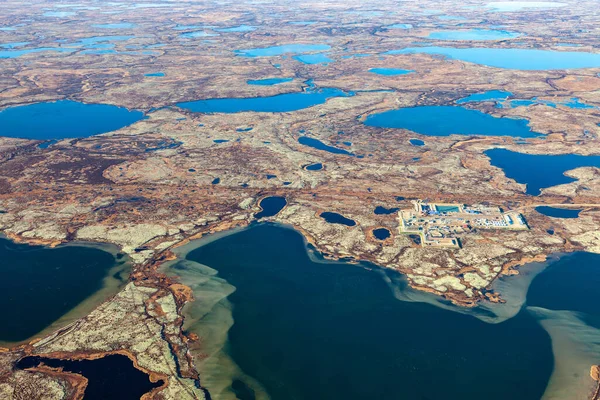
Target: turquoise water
(313, 58)
(451, 18)
(186, 27)
(283, 49)
(473, 34)
(241, 28)
(492, 95)
(448, 120)
(399, 26)
(64, 119)
(39, 285)
(268, 81)
(446, 208)
(300, 328)
(317, 144)
(539, 171)
(121, 25)
(157, 74)
(197, 34)
(58, 14)
(510, 6)
(523, 59)
(302, 22)
(19, 53)
(558, 212)
(13, 45)
(280, 103)
(390, 71)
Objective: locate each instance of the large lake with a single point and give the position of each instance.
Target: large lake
(277, 319)
(64, 119)
(43, 288)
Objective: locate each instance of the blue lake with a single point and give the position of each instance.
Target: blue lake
(510, 6)
(417, 142)
(390, 71)
(523, 59)
(558, 212)
(399, 26)
(449, 120)
(317, 144)
(279, 103)
(492, 95)
(157, 74)
(241, 28)
(268, 81)
(120, 25)
(283, 49)
(58, 14)
(451, 18)
(314, 167)
(473, 34)
(380, 210)
(271, 206)
(303, 23)
(196, 34)
(353, 336)
(39, 285)
(64, 119)
(381, 233)
(313, 58)
(335, 218)
(539, 171)
(18, 53)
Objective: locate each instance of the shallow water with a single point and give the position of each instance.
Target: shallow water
(449, 120)
(42, 289)
(64, 119)
(311, 59)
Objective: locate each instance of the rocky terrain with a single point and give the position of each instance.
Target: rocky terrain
(179, 175)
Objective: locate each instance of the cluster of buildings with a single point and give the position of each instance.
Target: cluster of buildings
(439, 225)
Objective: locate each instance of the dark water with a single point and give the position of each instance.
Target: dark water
(317, 144)
(539, 171)
(381, 233)
(64, 119)
(335, 218)
(271, 206)
(314, 167)
(308, 330)
(417, 142)
(39, 285)
(450, 120)
(110, 377)
(569, 284)
(558, 212)
(379, 210)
